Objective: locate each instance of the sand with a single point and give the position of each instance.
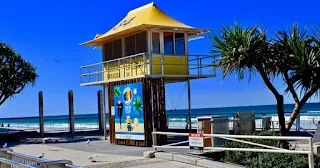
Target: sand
(139, 128)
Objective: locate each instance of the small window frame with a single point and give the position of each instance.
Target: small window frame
(174, 46)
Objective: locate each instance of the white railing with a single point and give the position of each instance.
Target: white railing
(304, 122)
(261, 123)
(17, 160)
(7, 163)
(238, 138)
(141, 64)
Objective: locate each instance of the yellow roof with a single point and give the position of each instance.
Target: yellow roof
(147, 16)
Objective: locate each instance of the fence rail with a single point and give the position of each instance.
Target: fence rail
(306, 121)
(7, 163)
(238, 138)
(50, 124)
(9, 159)
(145, 64)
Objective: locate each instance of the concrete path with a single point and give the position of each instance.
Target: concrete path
(78, 157)
(104, 146)
(167, 164)
(107, 155)
(145, 163)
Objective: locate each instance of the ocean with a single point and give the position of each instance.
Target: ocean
(310, 115)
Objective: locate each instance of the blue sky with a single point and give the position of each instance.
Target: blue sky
(44, 31)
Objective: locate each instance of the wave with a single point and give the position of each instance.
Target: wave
(306, 121)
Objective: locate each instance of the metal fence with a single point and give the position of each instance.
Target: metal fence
(51, 124)
(10, 159)
(7, 163)
(146, 64)
(305, 121)
(239, 138)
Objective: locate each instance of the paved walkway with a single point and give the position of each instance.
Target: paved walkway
(167, 164)
(145, 163)
(107, 155)
(78, 157)
(104, 146)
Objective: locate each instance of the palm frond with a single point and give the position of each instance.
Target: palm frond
(299, 56)
(137, 105)
(117, 92)
(239, 50)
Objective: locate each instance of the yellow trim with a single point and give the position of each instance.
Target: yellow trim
(173, 65)
(98, 35)
(127, 69)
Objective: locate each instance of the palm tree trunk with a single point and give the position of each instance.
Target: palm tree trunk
(294, 114)
(282, 122)
(279, 98)
(280, 106)
(298, 106)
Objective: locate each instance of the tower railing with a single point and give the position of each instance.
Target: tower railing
(147, 65)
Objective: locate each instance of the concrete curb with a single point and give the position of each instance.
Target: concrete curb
(185, 159)
(209, 164)
(164, 155)
(194, 160)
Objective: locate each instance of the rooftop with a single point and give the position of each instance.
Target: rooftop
(144, 17)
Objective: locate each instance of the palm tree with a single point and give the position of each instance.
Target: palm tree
(239, 50)
(16, 73)
(298, 57)
(137, 104)
(117, 92)
(292, 55)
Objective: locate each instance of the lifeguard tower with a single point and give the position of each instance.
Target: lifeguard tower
(140, 54)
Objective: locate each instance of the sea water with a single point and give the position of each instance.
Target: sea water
(310, 115)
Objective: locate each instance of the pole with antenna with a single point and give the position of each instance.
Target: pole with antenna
(189, 105)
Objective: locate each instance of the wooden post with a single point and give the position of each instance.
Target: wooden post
(109, 86)
(104, 107)
(102, 111)
(41, 117)
(71, 112)
(163, 109)
(100, 114)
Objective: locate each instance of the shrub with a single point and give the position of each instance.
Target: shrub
(265, 160)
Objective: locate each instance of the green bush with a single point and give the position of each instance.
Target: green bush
(265, 160)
